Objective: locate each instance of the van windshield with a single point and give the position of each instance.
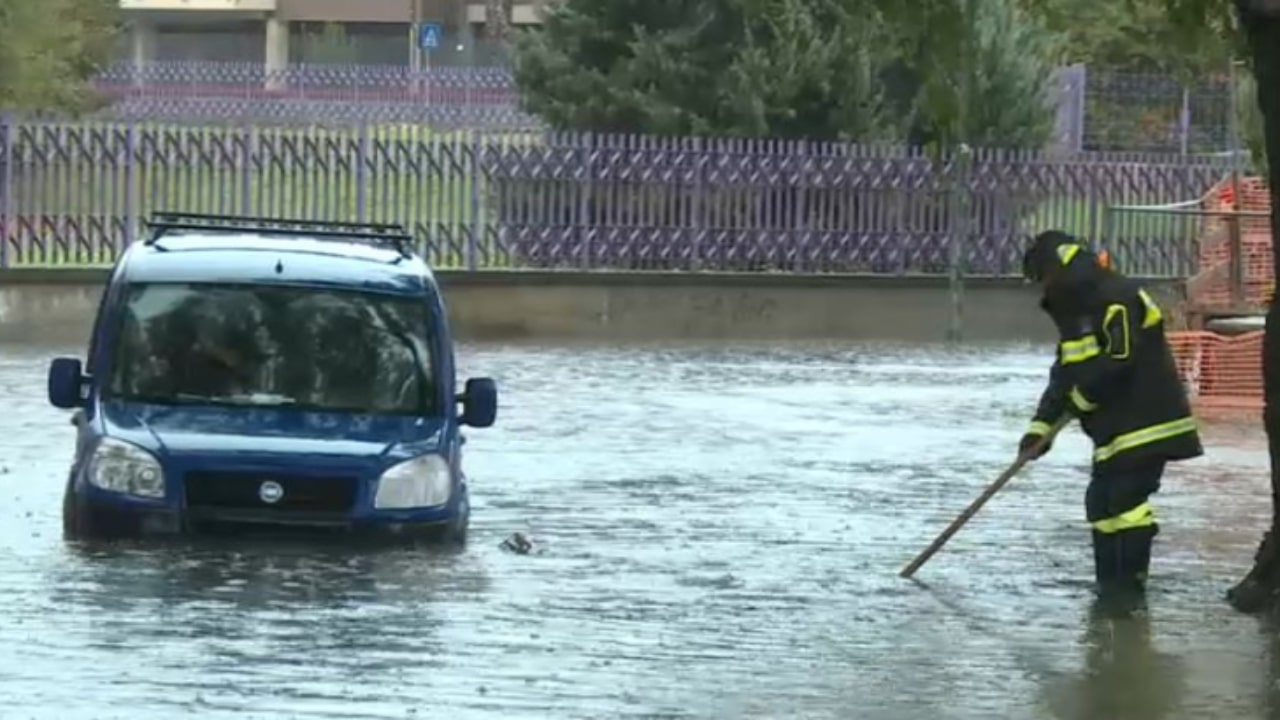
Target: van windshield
(310, 348)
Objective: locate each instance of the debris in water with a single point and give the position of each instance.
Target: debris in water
(517, 543)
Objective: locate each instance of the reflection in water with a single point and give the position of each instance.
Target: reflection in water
(719, 531)
(1269, 630)
(264, 575)
(327, 621)
(1124, 675)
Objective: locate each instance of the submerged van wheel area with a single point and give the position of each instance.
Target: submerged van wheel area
(77, 520)
(82, 522)
(71, 529)
(458, 528)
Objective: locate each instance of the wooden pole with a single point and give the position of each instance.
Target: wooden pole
(982, 499)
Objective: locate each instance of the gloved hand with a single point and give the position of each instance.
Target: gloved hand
(1031, 439)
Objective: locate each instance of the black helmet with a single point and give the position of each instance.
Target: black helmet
(1049, 249)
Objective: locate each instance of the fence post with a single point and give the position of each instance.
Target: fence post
(1107, 239)
(1184, 123)
(248, 148)
(130, 186)
(6, 183)
(961, 192)
(362, 176)
(585, 224)
(1235, 260)
(697, 150)
(477, 172)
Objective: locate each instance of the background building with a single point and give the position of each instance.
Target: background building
(279, 32)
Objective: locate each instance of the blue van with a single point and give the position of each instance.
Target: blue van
(254, 373)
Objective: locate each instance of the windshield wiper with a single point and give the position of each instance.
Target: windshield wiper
(257, 399)
(152, 399)
(249, 400)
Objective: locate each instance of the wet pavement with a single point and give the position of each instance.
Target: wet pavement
(720, 533)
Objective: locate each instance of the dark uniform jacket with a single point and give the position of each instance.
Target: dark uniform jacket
(1114, 370)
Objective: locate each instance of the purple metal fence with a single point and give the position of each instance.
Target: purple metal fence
(76, 193)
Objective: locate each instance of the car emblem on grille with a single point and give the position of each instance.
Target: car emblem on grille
(270, 492)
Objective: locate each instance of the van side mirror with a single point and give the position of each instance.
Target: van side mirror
(66, 380)
(479, 402)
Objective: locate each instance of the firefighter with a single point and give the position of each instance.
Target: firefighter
(1115, 373)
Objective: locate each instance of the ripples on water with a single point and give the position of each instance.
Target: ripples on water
(721, 530)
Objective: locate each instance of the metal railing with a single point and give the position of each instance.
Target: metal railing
(1212, 244)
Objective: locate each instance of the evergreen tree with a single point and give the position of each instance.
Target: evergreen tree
(51, 49)
(951, 70)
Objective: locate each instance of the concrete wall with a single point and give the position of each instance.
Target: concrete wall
(57, 306)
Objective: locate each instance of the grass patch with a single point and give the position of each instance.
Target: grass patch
(74, 188)
(1145, 241)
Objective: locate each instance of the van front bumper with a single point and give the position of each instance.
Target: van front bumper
(119, 515)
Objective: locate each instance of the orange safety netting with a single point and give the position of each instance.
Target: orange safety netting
(1222, 373)
(1212, 286)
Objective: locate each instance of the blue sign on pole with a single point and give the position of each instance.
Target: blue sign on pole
(429, 36)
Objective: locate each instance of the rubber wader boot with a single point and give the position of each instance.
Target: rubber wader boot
(1123, 561)
(1104, 559)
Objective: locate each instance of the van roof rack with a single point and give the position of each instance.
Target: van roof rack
(384, 235)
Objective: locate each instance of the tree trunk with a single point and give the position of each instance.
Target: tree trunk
(1260, 588)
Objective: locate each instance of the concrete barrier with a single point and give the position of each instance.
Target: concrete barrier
(58, 306)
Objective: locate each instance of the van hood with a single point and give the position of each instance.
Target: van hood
(170, 430)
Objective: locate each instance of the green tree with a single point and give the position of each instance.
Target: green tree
(1139, 35)
(786, 68)
(51, 49)
(1249, 120)
(982, 69)
(812, 69)
(1122, 41)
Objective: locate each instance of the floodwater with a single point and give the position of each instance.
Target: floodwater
(720, 531)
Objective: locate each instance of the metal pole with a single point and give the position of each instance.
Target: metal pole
(468, 37)
(1184, 120)
(415, 53)
(1233, 125)
(956, 243)
(1233, 222)
(960, 189)
(8, 131)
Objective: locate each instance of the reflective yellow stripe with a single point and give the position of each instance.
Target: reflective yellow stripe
(1039, 428)
(1079, 350)
(1145, 436)
(1142, 516)
(1067, 251)
(1080, 401)
(1153, 316)
(1122, 313)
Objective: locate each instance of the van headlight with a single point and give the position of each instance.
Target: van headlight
(421, 482)
(125, 468)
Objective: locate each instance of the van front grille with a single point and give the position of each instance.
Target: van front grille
(244, 491)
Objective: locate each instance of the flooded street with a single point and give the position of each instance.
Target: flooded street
(720, 533)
